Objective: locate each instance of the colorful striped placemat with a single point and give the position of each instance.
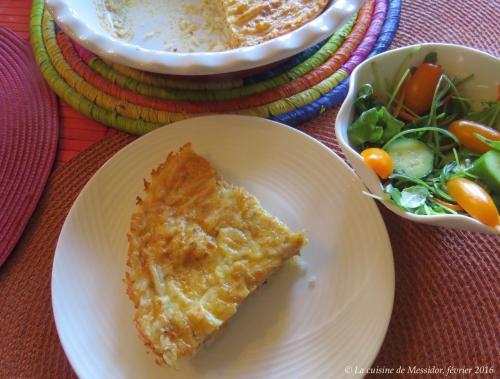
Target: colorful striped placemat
(137, 102)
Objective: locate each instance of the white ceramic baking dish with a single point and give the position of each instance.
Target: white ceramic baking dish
(80, 20)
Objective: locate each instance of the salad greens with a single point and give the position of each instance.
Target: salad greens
(454, 137)
(374, 125)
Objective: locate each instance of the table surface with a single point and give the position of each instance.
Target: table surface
(77, 131)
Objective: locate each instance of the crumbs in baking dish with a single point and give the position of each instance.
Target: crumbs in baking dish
(205, 25)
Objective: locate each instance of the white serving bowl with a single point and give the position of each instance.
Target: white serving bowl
(457, 61)
(80, 20)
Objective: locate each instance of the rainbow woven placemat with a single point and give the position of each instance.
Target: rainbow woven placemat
(134, 101)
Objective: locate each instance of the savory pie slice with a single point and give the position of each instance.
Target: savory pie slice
(198, 246)
(251, 22)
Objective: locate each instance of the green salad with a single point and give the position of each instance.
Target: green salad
(436, 151)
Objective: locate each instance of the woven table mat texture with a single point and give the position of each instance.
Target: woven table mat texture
(445, 311)
(29, 345)
(29, 129)
(314, 83)
(472, 23)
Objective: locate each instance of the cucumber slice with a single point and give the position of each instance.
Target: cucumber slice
(487, 167)
(411, 157)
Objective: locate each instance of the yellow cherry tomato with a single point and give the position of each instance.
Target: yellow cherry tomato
(474, 200)
(379, 161)
(465, 132)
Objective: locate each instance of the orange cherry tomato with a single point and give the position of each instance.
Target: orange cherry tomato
(379, 161)
(419, 88)
(465, 130)
(474, 200)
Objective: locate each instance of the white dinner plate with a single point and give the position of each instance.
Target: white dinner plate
(304, 323)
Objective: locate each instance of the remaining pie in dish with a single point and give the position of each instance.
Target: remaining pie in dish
(251, 22)
(198, 246)
(205, 25)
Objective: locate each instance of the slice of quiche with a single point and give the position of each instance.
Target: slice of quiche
(198, 246)
(251, 22)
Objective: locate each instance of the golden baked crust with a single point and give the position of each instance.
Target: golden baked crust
(251, 22)
(198, 246)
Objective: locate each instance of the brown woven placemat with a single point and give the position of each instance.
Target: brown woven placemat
(29, 345)
(445, 312)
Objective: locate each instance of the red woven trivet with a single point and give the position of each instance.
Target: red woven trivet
(28, 137)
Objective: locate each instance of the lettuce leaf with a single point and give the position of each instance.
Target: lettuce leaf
(375, 126)
(366, 99)
(365, 129)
